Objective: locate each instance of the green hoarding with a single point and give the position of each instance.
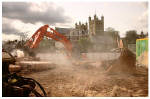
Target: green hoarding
(141, 46)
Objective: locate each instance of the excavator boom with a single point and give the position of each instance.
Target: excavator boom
(34, 41)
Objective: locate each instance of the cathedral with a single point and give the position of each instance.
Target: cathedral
(96, 26)
(93, 30)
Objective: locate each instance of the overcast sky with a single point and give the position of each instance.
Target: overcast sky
(27, 17)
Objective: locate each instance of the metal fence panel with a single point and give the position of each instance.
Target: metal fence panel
(141, 46)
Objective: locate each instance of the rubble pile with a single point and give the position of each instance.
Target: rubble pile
(87, 78)
(125, 64)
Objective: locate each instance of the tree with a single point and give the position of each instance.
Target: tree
(131, 36)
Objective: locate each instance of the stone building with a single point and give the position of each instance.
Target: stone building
(92, 28)
(74, 34)
(96, 26)
(80, 31)
(81, 27)
(102, 40)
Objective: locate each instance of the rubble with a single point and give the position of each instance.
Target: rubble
(121, 91)
(126, 64)
(64, 81)
(89, 78)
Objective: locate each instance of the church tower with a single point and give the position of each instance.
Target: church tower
(96, 26)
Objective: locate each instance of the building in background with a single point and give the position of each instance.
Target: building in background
(102, 40)
(64, 31)
(74, 34)
(96, 26)
(92, 30)
(80, 31)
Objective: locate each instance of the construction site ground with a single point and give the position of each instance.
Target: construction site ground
(85, 78)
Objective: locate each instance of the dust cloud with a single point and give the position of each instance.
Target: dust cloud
(57, 58)
(87, 76)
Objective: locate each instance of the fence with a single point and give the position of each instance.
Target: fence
(141, 46)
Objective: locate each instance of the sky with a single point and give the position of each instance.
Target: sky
(27, 17)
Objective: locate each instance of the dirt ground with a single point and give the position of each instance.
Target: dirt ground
(89, 79)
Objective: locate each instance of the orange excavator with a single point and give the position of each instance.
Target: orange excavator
(34, 41)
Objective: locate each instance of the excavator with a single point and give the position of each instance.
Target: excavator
(34, 41)
(18, 86)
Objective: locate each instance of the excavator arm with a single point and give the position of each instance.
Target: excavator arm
(34, 41)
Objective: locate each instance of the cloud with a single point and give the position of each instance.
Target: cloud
(7, 27)
(17, 27)
(27, 17)
(9, 30)
(47, 13)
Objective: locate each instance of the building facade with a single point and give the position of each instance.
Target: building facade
(74, 34)
(80, 31)
(96, 26)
